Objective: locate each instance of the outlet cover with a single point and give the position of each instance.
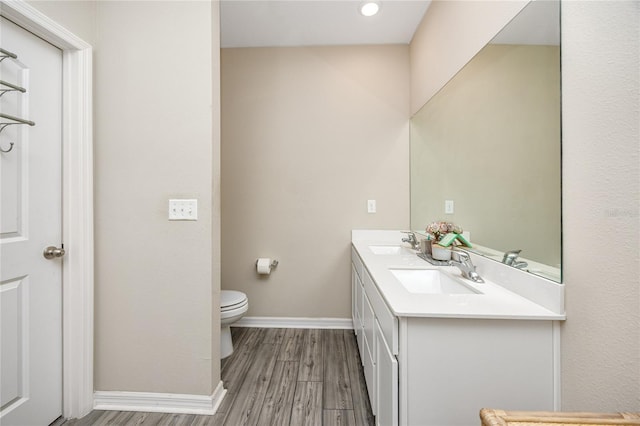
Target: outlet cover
(448, 206)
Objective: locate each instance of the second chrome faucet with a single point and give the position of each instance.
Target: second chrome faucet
(462, 260)
(411, 239)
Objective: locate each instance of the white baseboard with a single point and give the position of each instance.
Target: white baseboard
(159, 402)
(295, 322)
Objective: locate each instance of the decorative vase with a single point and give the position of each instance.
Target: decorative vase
(425, 246)
(439, 252)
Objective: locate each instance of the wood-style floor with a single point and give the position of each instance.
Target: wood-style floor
(276, 377)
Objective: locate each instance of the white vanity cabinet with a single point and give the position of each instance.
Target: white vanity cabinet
(363, 325)
(428, 370)
(453, 367)
(375, 326)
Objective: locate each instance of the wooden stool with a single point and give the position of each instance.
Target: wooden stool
(491, 417)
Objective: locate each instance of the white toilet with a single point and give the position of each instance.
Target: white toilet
(233, 305)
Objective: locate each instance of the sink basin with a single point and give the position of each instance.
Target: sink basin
(386, 249)
(430, 281)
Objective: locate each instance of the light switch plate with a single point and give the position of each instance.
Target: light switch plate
(371, 206)
(448, 206)
(183, 209)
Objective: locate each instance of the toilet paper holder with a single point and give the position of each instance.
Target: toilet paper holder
(273, 264)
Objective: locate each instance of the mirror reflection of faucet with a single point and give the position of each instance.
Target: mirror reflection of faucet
(511, 258)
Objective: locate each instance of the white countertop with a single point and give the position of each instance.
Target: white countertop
(494, 301)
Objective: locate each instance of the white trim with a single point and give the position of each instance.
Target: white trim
(160, 402)
(77, 190)
(295, 322)
(557, 366)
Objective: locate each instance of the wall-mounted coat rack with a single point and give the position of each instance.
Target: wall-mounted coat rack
(9, 120)
(4, 54)
(8, 87)
(12, 120)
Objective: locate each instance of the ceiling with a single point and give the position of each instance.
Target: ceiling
(261, 23)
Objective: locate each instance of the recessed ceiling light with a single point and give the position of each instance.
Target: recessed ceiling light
(369, 8)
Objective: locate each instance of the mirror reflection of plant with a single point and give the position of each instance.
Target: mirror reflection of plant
(437, 230)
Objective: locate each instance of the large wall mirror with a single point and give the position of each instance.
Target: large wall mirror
(489, 140)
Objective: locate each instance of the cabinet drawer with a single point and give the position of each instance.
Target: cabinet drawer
(388, 322)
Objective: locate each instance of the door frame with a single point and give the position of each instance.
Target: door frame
(77, 203)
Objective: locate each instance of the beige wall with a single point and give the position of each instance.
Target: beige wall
(153, 142)
(601, 186)
(601, 179)
(308, 136)
(154, 277)
(156, 137)
(78, 16)
(490, 141)
(450, 34)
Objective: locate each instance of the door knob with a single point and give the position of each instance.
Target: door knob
(52, 251)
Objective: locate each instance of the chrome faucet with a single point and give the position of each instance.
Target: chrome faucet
(462, 261)
(411, 239)
(511, 258)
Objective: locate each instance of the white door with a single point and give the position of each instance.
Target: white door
(30, 220)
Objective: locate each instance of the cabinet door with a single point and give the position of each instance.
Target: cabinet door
(358, 307)
(359, 302)
(386, 382)
(368, 316)
(369, 353)
(354, 299)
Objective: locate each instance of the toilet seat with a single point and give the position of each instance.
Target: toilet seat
(231, 300)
